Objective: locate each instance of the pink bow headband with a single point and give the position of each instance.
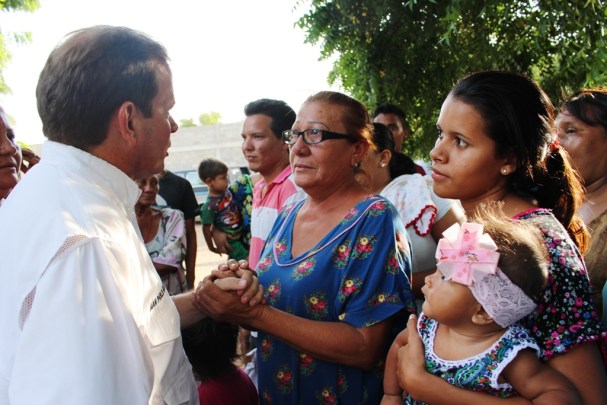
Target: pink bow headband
(467, 256)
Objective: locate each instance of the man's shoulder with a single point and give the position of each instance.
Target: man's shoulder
(172, 178)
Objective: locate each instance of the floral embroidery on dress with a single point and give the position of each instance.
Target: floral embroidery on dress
(263, 264)
(391, 266)
(349, 287)
(266, 397)
(377, 208)
(303, 269)
(284, 379)
(352, 214)
(280, 247)
(342, 382)
(306, 364)
(266, 348)
(327, 396)
(272, 292)
(364, 247)
(316, 305)
(381, 298)
(341, 254)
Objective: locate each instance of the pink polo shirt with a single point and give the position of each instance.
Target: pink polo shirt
(281, 191)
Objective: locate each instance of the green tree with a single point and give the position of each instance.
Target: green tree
(411, 52)
(210, 118)
(187, 122)
(19, 38)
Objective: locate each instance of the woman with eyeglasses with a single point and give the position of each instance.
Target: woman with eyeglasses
(336, 269)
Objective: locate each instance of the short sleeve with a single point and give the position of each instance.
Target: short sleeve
(377, 282)
(173, 251)
(207, 216)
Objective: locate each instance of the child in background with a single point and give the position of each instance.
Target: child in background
(211, 349)
(483, 284)
(220, 209)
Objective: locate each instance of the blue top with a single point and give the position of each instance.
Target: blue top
(358, 273)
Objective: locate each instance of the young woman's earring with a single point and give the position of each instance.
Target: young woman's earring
(504, 171)
(382, 163)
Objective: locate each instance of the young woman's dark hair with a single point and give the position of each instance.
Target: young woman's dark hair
(519, 117)
(400, 164)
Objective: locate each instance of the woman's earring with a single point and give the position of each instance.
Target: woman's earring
(356, 165)
(504, 171)
(382, 164)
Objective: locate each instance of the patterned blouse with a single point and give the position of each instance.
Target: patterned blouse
(358, 273)
(242, 190)
(477, 373)
(565, 316)
(168, 247)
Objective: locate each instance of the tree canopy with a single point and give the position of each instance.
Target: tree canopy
(411, 52)
(210, 118)
(187, 123)
(5, 56)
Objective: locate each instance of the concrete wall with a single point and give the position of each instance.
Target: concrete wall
(190, 145)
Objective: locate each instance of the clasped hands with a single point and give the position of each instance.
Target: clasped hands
(231, 293)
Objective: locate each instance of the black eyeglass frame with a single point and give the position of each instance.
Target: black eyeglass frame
(324, 135)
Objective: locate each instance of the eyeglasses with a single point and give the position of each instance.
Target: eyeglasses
(312, 136)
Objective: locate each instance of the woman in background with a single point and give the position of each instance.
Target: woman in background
(582, 130)
(10, 157)
(425, 215)
(163, 231)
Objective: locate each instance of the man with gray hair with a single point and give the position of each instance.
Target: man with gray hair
(85, 316)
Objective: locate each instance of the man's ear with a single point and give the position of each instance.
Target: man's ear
(481, 317)
(127, 122)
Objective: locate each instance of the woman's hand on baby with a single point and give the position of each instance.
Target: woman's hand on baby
(411, 362)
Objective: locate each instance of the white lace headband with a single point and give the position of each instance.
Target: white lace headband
(467, 256)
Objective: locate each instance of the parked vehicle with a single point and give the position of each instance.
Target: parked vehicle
(201, 190)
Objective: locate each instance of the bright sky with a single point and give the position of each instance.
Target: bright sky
(224, 53)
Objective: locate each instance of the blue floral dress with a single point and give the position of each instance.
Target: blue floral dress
(358, 273)
(477, 373)
(565, 316)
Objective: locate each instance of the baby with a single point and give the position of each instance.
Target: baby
(484, 284)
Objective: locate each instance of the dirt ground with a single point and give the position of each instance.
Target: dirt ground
(205, 259)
